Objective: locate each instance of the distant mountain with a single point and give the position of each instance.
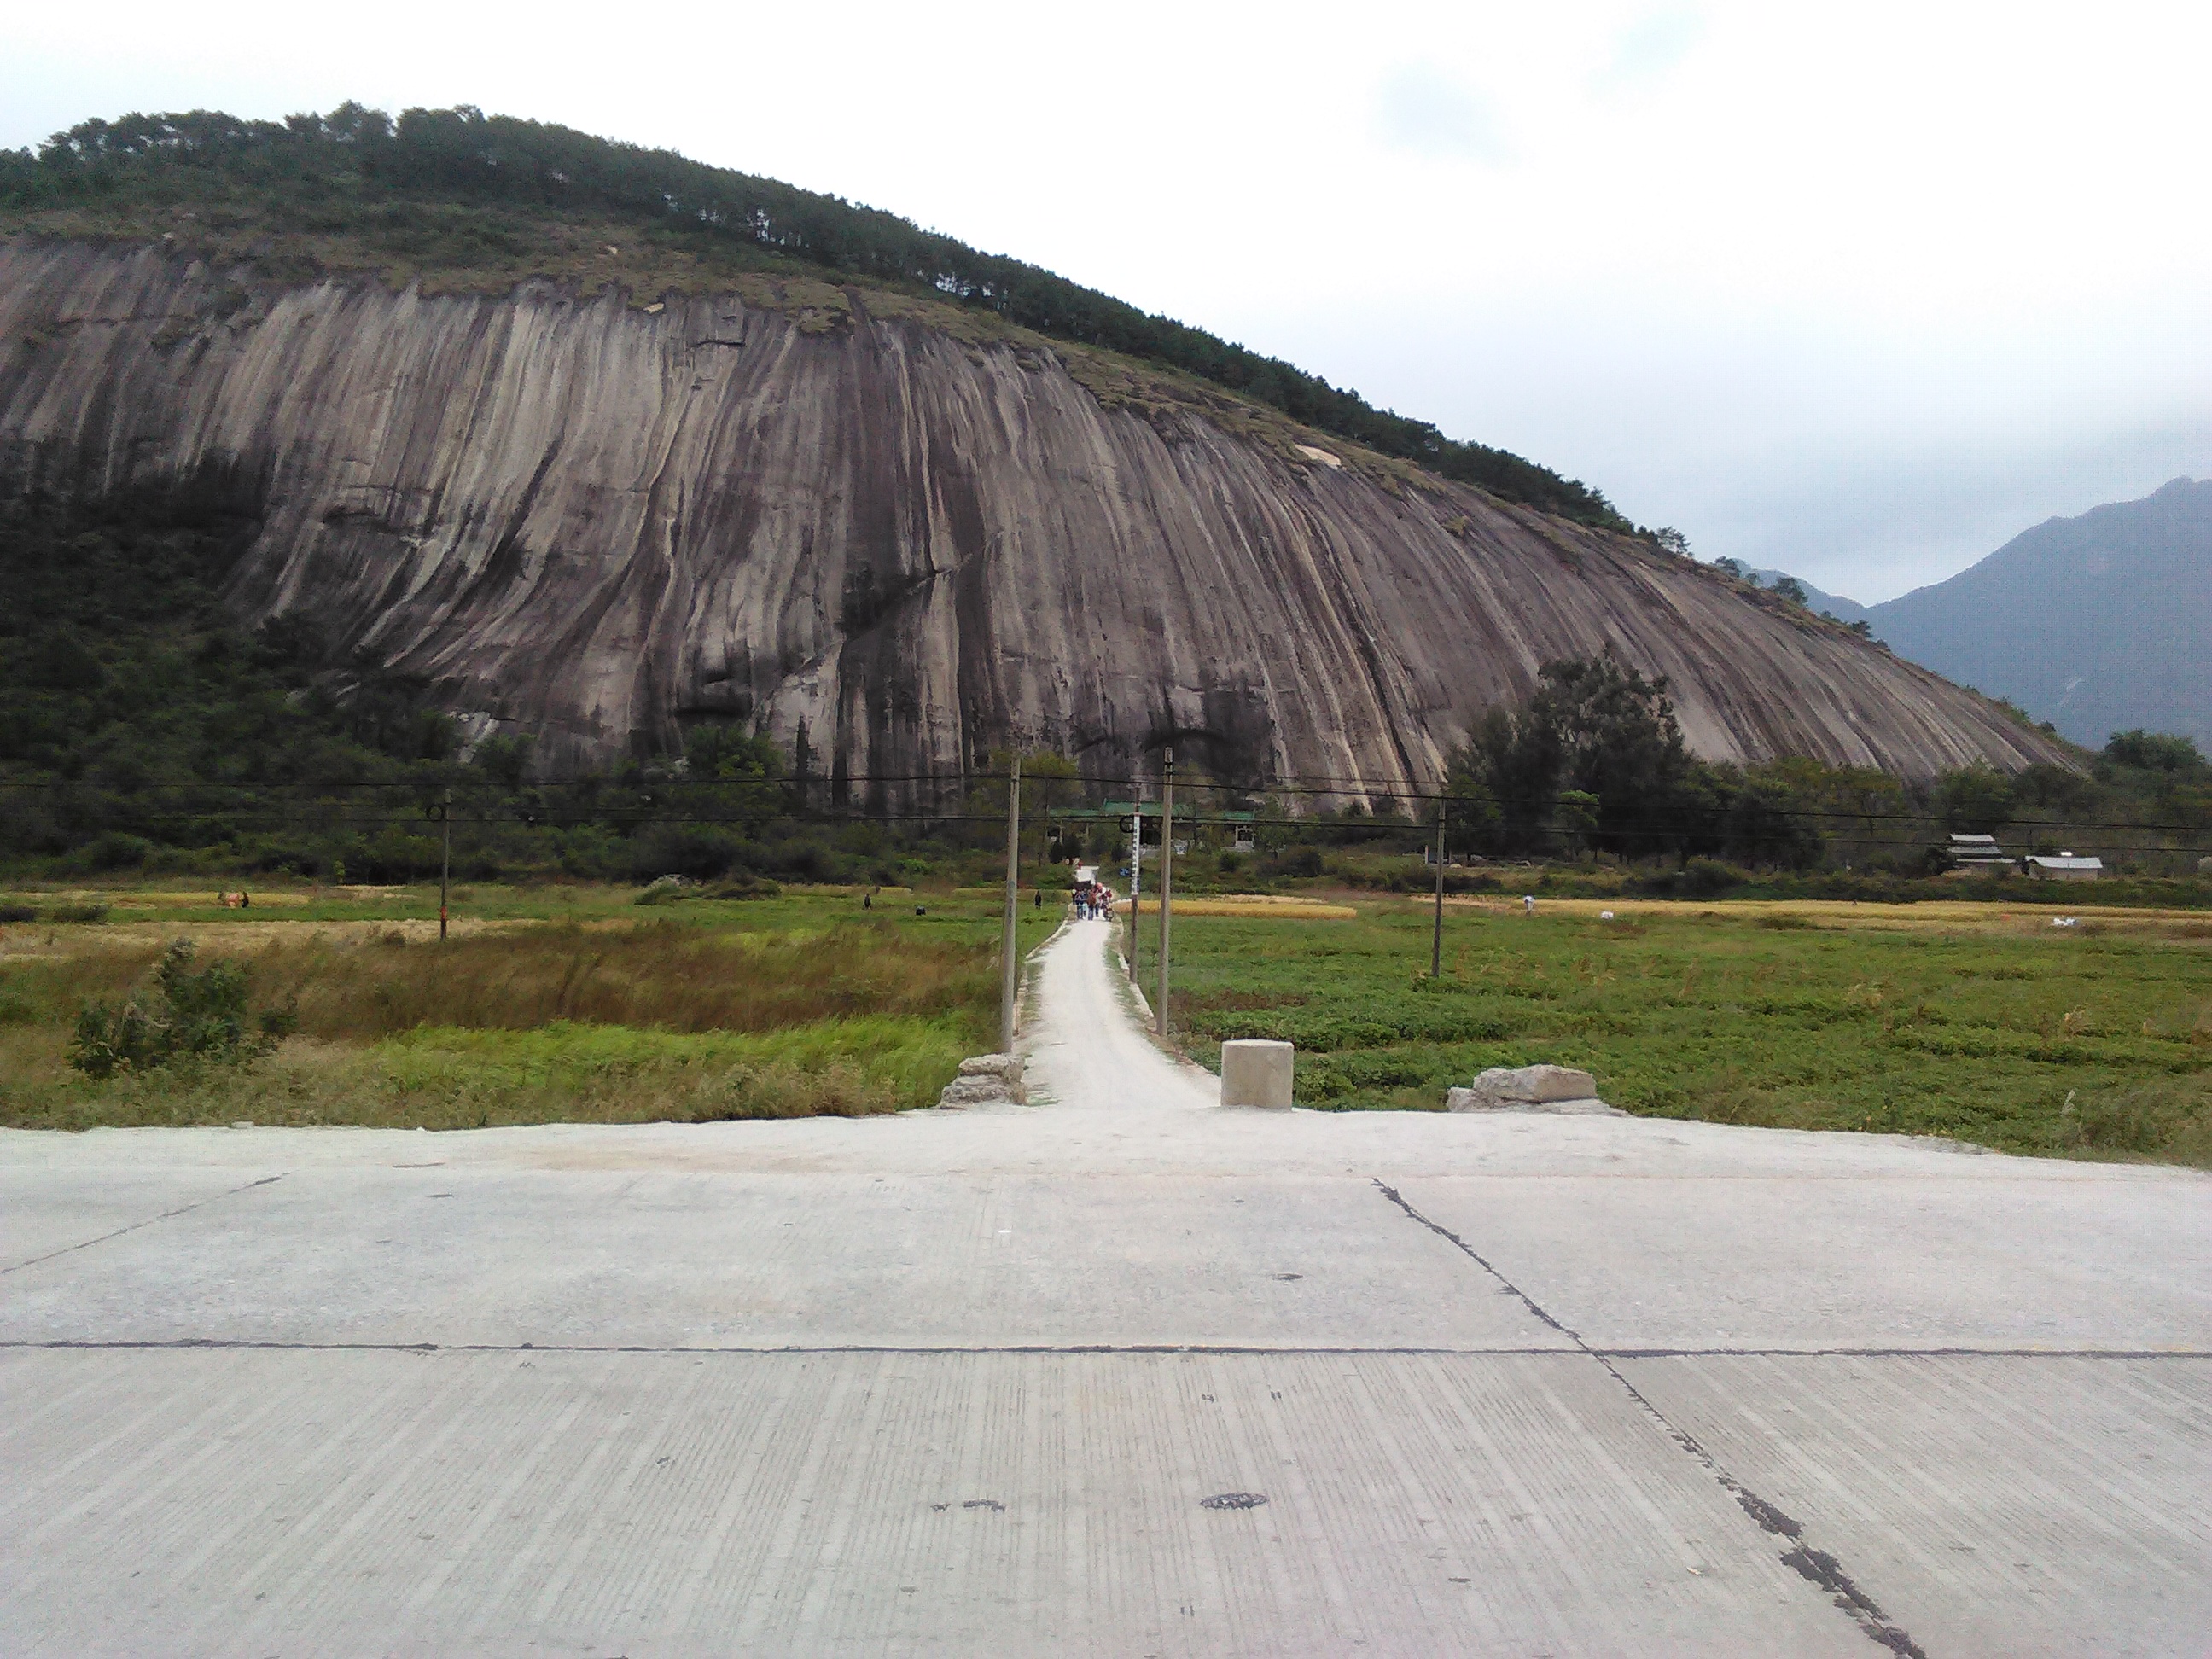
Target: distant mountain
(1843, 610)
(2098, 624)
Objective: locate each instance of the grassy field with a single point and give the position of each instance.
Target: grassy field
(558, 1003)
(1980, 1022)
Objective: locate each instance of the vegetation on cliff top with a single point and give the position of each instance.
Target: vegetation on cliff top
(459, 188)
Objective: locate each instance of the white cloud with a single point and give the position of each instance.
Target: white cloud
(1651, 46)
(1419, 109)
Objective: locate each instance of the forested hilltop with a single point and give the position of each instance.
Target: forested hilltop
(457, 192)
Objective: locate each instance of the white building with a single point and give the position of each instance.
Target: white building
(2064, 867)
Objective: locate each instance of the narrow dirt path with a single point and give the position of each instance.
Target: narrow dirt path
(1084, 1046)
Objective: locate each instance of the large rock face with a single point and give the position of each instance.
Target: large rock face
(593, 522)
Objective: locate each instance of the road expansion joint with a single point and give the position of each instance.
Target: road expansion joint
(165, 1215)
(1079, 1350)
(766, 1350)
(1816, 1566)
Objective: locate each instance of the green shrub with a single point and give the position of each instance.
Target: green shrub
(2153, 1120)
(115, 850)
(667, 890)
(1705, 877)
(204, 1015)
(674, 889)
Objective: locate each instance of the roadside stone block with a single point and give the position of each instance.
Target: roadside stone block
(1531, 1089)
(1254, 1072)
(985, 1080)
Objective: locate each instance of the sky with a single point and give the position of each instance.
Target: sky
(1859, 293)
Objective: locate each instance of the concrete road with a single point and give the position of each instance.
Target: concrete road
(1007, 1381)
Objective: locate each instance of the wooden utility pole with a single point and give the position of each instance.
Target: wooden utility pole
(1167, 880)
(1437, 940)
(1010, 977)
(446, 865)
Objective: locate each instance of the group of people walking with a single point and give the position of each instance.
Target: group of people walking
(1094, 903)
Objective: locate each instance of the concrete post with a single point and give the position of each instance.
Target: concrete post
(1257, 1074)
(1436, 938)
(1010, 978)
(1136, 877)
(1167, 879)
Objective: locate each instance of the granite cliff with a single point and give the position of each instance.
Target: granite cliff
(591, 518)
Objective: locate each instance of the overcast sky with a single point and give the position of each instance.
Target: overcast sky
(1858, 292)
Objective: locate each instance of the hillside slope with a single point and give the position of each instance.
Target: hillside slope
(591, 522)
(2099, 624)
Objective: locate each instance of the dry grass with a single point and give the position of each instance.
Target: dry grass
(361, 981)
(179, 898)
(663, 976)
(1261, 906)
(1944, 916)
(809, 1010)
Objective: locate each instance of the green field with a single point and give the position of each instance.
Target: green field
(1982, 1022)
(549, 1004)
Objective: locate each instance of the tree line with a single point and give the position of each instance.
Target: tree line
(1594, 762)
(140, 726)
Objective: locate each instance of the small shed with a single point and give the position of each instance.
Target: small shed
(2064, 866)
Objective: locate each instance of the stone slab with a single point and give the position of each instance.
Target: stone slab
(985, 1080)
(1480, 1100)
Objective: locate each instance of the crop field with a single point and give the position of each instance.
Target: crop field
(1983, 1023)
(559, 1003)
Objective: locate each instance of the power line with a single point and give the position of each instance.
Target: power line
(276, 805)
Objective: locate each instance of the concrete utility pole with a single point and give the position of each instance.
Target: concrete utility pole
(1011, 979)
(1437, 940)
(1167, 880)
(1136, 875)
